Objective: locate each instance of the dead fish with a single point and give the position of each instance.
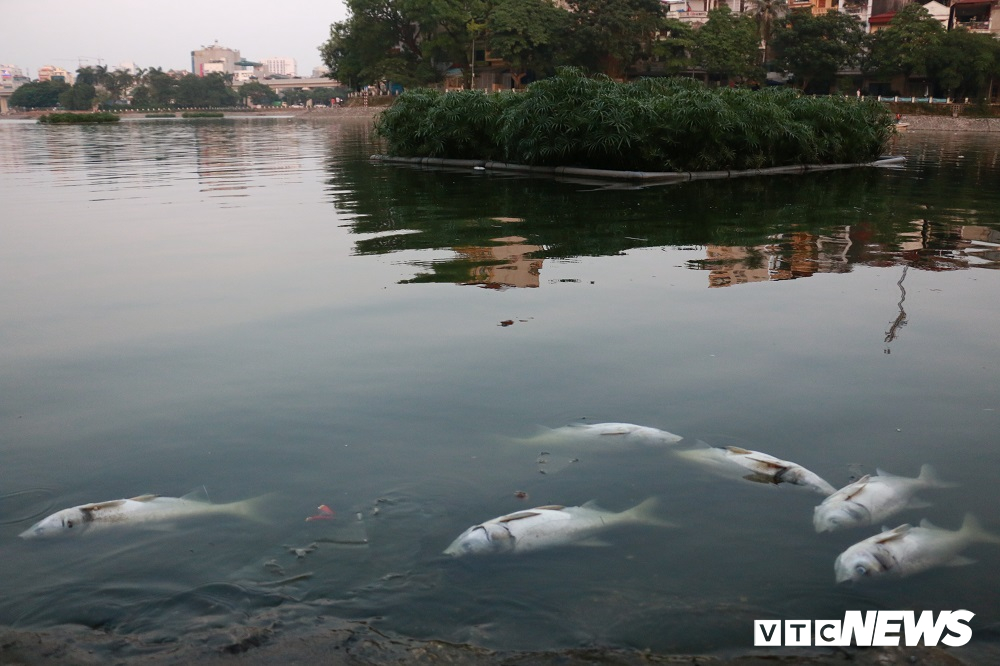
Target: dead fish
(548, 526)
(907, 550)
(610, 434)
(872, 499)
(763, 468)
(143, 510)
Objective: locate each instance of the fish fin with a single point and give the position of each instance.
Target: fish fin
(595, 543)
(645, 512)
(144, 498)
(860, 485)
(738, 451)
(592, 505)
(551, 507)
(895, 533)
(758, 477)
(97, 506)
(972, 527)
(882, 472)
(959, 561)
(931, 479)
(197, 495)
(517, 516)
(916, 503)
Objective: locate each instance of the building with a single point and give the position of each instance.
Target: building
(53, 73)
(279, 66)
(11, 78)
(976, 16)
(214, 58)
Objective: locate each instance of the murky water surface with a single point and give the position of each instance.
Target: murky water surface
(251, 307)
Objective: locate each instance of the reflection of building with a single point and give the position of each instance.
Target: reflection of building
(802, 254)
(507, 264)
(214, 58)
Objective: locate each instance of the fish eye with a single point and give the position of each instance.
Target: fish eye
(69, 523)
(861, 570)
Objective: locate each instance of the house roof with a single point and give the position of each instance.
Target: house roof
(881, 19)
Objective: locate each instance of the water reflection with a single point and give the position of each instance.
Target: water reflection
(940, 247)
(751, 230)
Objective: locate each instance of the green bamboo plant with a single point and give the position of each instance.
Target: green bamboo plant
(651, 124)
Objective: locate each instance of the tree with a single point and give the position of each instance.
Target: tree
(80, 97)
(208, 90)
(408, 41)
(672, 48)
(965, 64)
(525, 34)
(612, 35)
(118, 84)
(257, 92)
(815, 48)
(726, 46)
(39, 95)
(86, 75)
(904, 46)
(162, 87)
(767, 13)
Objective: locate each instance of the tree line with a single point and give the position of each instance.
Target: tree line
(154, 88)
(416, 43)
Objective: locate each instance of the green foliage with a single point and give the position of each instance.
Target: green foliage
(40, 95)
(651, 124)
(814, 48)
(257, 92)
(460, 125)
(674, 42)
(74, 118)
(610, 36)
(203, 114)
(904, 46)
(208, 90)
(727, 46)
(80, 97)
(398, 40)
(965, 64)
(526, 34)
(161, 115)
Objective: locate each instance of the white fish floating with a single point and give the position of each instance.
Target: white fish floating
(549, 526)
(612, 434)
(145, 510)
(763, 468)
(872, 499)
(907, 550)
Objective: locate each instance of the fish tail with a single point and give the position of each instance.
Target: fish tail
(929, 477)
(646, 512)
(976, 532)
(254, 509)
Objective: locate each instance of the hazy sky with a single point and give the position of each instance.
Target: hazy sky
(161, 33)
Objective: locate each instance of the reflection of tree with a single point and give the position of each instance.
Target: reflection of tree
(774, 228)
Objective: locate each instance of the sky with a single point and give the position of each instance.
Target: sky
(161, 33)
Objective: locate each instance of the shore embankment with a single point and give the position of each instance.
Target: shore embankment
(921, 123)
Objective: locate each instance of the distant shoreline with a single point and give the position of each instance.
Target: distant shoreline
(915, 122)
(319, 111)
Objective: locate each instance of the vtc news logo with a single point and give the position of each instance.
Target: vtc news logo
(871, 628)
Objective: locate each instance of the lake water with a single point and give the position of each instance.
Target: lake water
(250, 306)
